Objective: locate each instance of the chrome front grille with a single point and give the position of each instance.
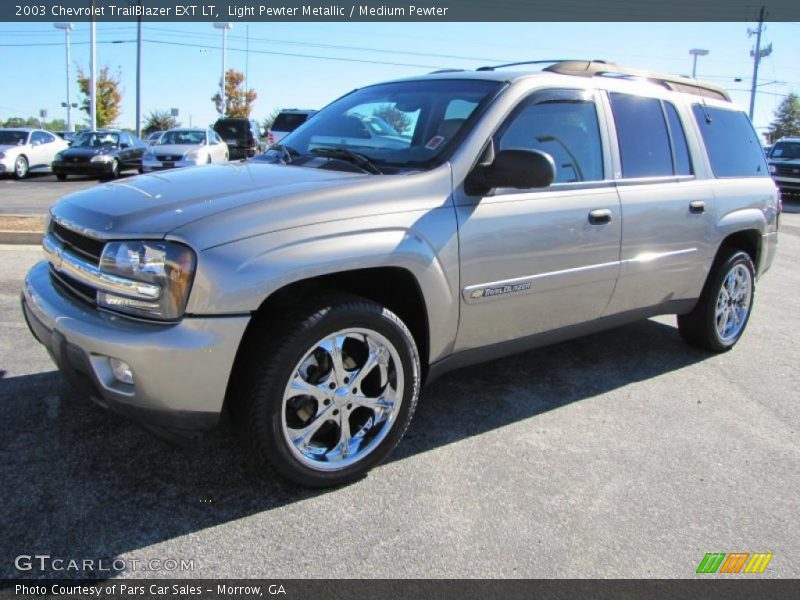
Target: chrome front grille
(89, 249)
(787, 170)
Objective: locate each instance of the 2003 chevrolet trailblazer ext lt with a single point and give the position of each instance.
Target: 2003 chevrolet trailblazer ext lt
(312, 291)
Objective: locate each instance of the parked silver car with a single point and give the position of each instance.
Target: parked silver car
(24, 150)
(311, 293)
(185, 148)
(784, 164)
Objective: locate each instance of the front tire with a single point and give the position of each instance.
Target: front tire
(21, 167)
(332, 396)
(721, 315)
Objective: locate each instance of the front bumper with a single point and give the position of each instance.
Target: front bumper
(156, 165)
(82, 168)
(180, 370)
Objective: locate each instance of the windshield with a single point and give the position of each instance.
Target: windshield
(183, 138)
(95, 140)
(408, 124)
(786, 150)
(13, 138)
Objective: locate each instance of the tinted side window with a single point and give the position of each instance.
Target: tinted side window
(563, 124)
(48, 138)
(37, 137)
(683, 165)
(643, 138)
(731, 142)
(288, 122)
(126, 139)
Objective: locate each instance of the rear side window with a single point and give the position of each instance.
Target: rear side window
(288, 121)
(731, 142)
(563, 124)
(680, 150)
(644, 143)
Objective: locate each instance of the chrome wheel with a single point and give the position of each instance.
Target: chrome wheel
(343, 399)
(733, 303)
(21, 167)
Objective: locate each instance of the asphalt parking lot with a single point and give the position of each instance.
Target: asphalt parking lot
(34, 195)
(624, 454)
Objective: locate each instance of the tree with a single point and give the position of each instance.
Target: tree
(397, 119)
(266, 124)
(159, 120)
(109, 95)
(54, 125)
(238, 102)
(787, 118)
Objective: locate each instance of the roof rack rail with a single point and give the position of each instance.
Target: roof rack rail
(524, 62)
(445, 71)
(676, 83)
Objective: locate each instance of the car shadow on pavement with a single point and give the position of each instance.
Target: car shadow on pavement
(78, 482)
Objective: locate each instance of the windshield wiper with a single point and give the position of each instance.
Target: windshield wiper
(288, 154)
(344, 154)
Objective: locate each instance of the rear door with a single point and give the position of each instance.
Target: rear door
(667, 209)
(541, 259)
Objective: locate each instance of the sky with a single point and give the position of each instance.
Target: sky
(307, 65)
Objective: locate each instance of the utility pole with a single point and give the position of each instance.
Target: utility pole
(139, 75)
(67, 27)
(758, 53)
(695, 52)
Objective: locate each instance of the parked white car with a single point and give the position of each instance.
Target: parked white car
(23, 150)
(185, 148)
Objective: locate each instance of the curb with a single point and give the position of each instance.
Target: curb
(27, 238)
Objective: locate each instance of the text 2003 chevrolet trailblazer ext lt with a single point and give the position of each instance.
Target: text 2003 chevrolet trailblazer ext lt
(408, 228)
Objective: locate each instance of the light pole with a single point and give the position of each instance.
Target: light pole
(93, 73)
(67, 27)
(225, 27)
(695, 52)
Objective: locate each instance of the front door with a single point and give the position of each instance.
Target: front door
(538, 260)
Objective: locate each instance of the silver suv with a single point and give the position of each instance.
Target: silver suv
(312, 293)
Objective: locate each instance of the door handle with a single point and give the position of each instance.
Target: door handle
(600, 216)
(697, 207)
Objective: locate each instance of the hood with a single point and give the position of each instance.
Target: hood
(156, 204)
(9, 147)
(83, 152)
(175, 148)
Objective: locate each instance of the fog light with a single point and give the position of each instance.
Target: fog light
(121, 370)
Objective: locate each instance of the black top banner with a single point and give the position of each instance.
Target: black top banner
(395, 10)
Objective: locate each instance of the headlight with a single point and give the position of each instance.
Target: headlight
(58, 158)
(2, 155)
(102, 158)
(167, 264)
(148, 155)
(193, 155)
(773, 169)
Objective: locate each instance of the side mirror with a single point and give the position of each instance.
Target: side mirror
(519, 169)
(123, 145)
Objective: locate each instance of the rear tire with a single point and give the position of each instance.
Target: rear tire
(329, 436)
(61, 176)
(721, 315)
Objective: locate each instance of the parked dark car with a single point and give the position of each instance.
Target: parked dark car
(243, 137)
(103, 153)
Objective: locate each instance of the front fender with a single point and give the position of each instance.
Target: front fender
(238, 277)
